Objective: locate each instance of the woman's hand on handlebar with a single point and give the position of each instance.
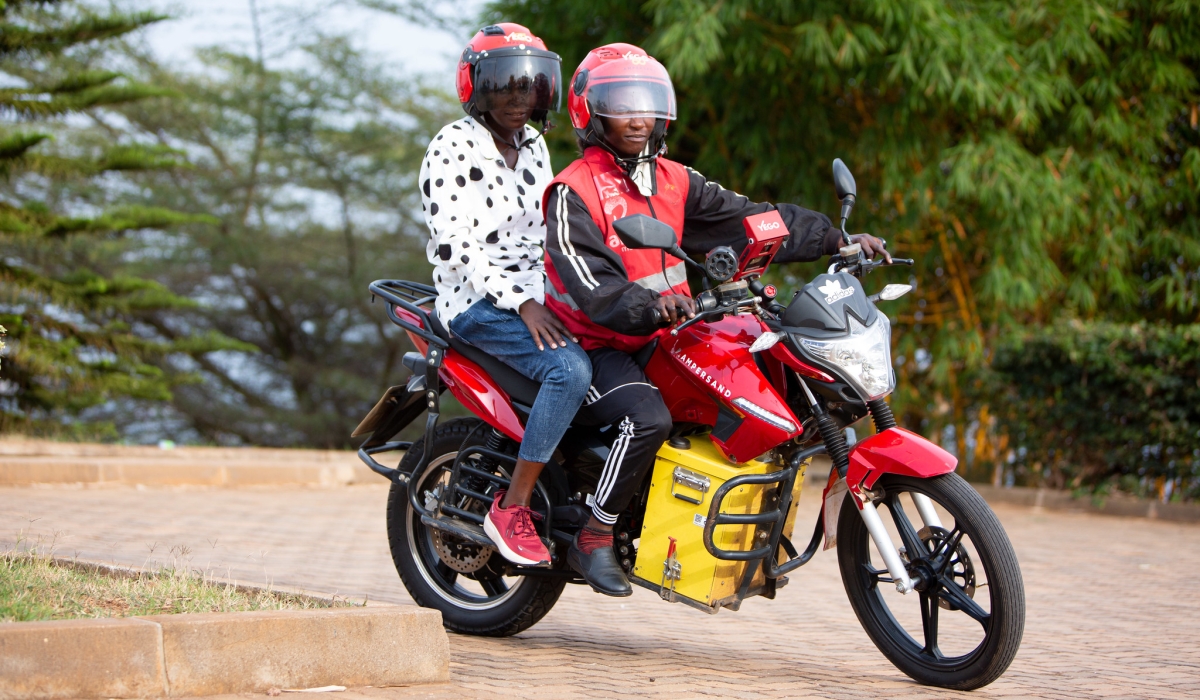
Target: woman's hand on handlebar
(671, 308)
(871, 246)
(544, 326)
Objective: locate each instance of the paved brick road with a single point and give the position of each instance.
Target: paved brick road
(1112, 603)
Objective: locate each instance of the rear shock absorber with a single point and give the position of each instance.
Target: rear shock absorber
(881, 413)
(496, 441)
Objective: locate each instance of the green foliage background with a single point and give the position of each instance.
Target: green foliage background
(1041, 160)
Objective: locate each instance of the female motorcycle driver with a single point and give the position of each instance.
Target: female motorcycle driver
(482, 183)
(621, 101)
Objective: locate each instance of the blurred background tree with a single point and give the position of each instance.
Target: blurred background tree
(310, 174)
(77, 338)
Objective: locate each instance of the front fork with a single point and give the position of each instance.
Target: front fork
(839, 451)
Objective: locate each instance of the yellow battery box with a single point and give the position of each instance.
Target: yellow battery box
(671, 557)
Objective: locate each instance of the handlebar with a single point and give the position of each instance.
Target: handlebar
(859, 266)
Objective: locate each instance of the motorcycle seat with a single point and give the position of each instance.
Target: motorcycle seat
(521, 389)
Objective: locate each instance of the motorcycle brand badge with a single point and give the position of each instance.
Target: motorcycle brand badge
(833, 291)
(705, 376)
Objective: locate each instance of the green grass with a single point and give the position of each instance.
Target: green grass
(34, 587)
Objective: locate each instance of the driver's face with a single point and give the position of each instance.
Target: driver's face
(628, 135)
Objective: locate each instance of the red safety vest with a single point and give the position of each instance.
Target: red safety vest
(610, 195)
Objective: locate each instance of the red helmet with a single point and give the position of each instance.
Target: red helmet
(505, 58)
(620, 80)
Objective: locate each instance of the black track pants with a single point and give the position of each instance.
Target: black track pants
(622, 397)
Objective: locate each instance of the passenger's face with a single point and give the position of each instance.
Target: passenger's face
(628, 135)
(514, 111)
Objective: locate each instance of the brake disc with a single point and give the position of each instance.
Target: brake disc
(961, 570)
(458, 554)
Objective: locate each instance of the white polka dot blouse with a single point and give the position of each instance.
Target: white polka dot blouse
(485, 220)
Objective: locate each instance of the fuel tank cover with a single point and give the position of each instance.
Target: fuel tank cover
(824, 304)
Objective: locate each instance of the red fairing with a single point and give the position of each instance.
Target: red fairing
(480, 394)
(471, 385)
(713, 361)
(897, 451)
(780, 352)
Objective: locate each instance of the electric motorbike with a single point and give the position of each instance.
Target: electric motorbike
(757, 389)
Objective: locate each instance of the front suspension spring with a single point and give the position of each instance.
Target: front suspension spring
(881, 413)
(835, 443)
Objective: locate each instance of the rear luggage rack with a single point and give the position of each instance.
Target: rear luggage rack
(410, 296)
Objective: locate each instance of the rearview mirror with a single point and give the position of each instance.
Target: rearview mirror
(641, 231)
(843, 181)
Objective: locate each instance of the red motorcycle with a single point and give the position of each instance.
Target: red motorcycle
(756, 389)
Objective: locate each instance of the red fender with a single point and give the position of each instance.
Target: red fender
(897, 451)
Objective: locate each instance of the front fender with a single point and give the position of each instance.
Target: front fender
(897, 451)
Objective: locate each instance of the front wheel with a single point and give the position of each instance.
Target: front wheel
(963, 626)
(465, 581)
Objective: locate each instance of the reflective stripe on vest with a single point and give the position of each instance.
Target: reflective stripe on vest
(654, 281)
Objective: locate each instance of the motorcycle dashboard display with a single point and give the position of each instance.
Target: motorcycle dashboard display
(766, 233)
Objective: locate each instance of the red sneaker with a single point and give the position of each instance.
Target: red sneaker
(514, 534)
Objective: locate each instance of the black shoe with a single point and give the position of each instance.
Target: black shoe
(600, 569)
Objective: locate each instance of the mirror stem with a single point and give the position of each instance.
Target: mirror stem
(847, 205)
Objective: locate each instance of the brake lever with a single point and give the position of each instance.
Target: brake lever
(695, 319)
(732, 308)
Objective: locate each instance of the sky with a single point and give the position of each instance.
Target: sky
(413, 48)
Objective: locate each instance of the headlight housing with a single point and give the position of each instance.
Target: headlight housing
(864, 356)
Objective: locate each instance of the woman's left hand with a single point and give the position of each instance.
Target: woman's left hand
(544, 325)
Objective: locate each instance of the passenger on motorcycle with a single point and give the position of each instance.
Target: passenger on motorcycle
(621, 102)
(482, 183)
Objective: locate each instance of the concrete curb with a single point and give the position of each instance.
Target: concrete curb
(215, 653)
(26, 462)
(1117, 504)
(1120, 505)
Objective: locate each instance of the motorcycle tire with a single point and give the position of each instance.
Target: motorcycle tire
(502, 608)
(881, 609)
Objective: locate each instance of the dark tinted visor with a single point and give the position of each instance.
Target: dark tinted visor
(633, 98)
(528, 80)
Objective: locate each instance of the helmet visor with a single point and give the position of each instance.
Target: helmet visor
(527, 80)
(641, 97)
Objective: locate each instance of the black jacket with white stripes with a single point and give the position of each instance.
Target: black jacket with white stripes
(712, 217)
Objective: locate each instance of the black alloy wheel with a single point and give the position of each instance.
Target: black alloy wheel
(465, 581)
(962, 627)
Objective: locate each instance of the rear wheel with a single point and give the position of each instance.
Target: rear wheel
(462, 579)
(963, 626)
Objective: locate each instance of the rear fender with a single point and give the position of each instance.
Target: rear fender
(396, 409)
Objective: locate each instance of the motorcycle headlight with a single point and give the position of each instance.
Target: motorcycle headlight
(865, 356)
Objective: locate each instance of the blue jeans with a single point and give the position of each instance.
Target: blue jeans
(565, 373)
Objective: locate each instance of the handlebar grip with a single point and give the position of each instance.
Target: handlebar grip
(657, 318)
